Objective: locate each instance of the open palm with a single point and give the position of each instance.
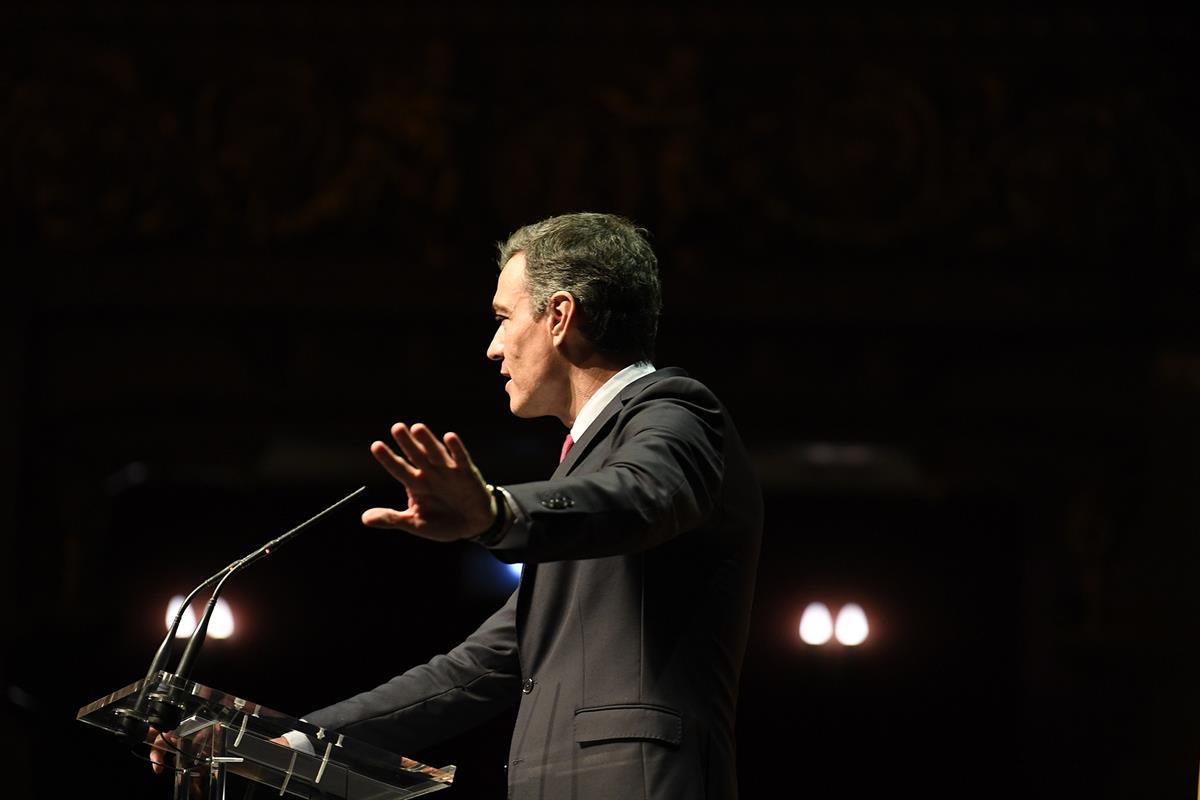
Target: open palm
(447, 496)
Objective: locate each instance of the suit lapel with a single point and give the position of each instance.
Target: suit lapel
(600, 424)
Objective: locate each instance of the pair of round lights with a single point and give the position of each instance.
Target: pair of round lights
(220, 624)
(817, 626)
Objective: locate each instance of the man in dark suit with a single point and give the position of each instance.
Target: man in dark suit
(624, 641)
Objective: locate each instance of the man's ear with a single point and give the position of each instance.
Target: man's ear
(560, 313)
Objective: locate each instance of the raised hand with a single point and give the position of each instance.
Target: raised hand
(447, 496)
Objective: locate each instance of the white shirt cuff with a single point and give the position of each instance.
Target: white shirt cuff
(298, 740)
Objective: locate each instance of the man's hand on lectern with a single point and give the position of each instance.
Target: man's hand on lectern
(164, 745)
(160, 748)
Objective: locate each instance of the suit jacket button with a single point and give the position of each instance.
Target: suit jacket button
(527, 685)
(556, 501)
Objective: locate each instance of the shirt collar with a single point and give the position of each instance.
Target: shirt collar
(605, 394)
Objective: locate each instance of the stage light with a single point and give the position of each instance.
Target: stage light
(816, 624)
(220, 625)
(851, 629)
(515, 570)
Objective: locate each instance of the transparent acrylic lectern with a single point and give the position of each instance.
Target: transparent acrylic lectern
(220, 734)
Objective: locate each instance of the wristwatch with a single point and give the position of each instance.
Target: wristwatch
(500, 524)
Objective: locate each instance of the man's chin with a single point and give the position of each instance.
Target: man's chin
(519, 408)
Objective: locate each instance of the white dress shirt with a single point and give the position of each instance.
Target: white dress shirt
(605, 394)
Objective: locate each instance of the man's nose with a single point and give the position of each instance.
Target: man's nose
(495, 349)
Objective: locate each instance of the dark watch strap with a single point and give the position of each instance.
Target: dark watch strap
(499, 525)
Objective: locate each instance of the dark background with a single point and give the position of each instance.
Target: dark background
(941, 266)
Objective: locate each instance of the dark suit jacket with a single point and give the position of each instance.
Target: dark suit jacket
(624, 641)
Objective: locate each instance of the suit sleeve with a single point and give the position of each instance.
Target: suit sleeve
(660, 479)
(432, 702)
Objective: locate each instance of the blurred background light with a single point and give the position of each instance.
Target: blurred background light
(485, 576)
(187, 624)
(816, 624)
(851, 629)
(220, 626)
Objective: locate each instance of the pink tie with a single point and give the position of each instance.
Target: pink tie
(566, 446)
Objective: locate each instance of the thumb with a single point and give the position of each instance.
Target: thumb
(388, 518)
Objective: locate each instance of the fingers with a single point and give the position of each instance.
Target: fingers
(420, 446)
(422, 456)
(408, 448)
(434, 451)
(396, 466)
(158, 756)
(458, 451)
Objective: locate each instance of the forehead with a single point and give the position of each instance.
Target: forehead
(510, 286)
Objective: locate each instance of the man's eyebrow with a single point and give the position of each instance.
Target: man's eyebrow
(496, 307)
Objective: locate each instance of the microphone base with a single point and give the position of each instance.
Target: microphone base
(133, 728)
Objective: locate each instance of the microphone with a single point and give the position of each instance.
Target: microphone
(158, 709)
(135, 721)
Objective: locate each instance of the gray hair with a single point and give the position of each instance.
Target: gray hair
(607, 265)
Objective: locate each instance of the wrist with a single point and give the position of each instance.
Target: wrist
(501, 522)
